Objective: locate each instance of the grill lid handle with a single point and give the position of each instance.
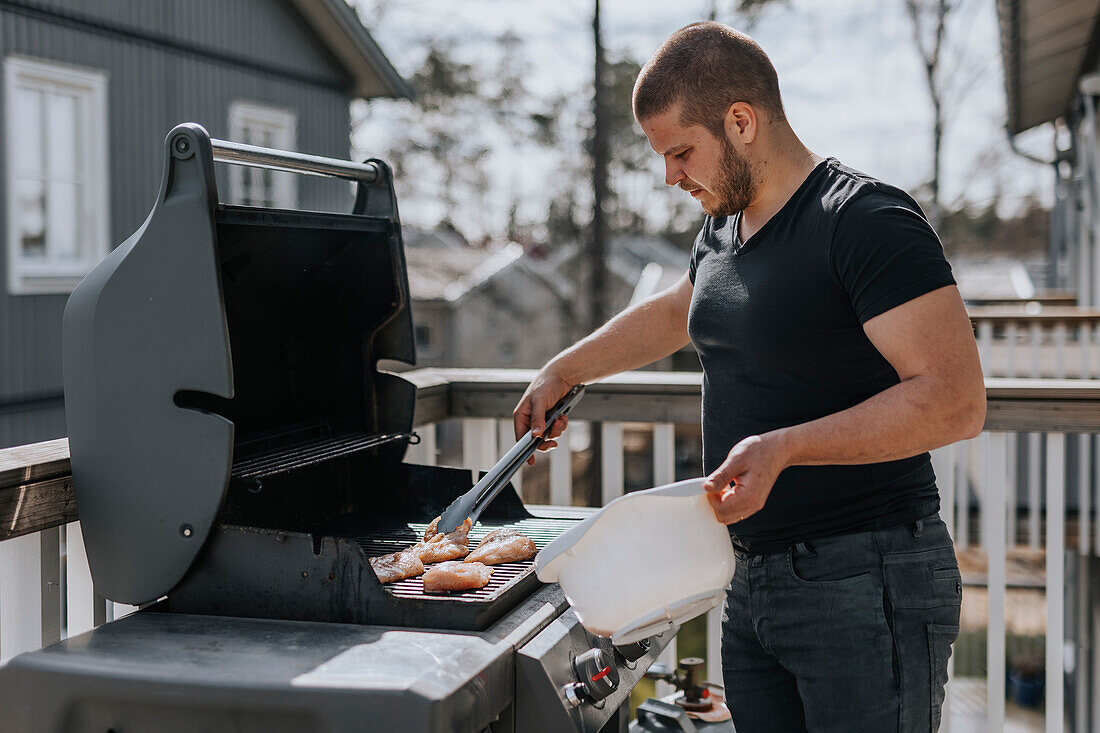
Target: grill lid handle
(254, 156)
(476, 499)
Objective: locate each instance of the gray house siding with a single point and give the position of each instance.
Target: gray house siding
(258, 32)
(151, 87)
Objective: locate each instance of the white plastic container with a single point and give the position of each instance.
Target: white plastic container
(644, 562)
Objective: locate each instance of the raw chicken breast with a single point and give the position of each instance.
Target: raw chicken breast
(503, 545)
(462, 530)
(441, 547)
(398, 566)
(456, 576)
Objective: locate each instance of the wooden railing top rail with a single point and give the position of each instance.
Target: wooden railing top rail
(36, 489)
(1049, 297)
(1019, 315)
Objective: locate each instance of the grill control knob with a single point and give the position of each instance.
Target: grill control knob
(596, 675)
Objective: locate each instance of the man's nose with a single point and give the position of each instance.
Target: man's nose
(673, 173)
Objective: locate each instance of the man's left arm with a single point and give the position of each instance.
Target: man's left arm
(939, 400)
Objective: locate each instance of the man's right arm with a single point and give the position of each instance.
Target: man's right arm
(640, 335)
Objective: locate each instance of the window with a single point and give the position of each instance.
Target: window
(266, 127)
(427, 343)
(57, 184)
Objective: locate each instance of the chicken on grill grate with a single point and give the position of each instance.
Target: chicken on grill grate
(448, 576)
(503, 545)
(397, 566)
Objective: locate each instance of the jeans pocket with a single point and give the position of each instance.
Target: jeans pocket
(940, 639)
(923, 594)
(816, 572)
(923, 580)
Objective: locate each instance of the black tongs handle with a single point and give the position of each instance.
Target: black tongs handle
(476, 499)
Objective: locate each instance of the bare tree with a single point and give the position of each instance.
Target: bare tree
(928, 20)
(601, 154)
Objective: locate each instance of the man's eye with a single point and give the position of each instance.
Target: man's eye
(683, 154)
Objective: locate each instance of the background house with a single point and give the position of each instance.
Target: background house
(504, 305)
(90, 89)
(1051, 55)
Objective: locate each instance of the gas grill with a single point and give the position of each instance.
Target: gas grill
(238, 457)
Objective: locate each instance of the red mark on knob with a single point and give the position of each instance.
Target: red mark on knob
(601, 674)
(706, 693)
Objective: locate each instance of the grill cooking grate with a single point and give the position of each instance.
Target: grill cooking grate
(280, 460)
(397, 536)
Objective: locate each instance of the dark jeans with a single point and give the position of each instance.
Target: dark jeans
(848, 633)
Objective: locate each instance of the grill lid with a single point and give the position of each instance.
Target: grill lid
(217, 332)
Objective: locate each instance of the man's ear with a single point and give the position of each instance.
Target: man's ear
(741, 122)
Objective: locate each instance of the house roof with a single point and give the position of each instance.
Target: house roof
(339, 27)
(992, 277)
(651, 263)
(1046, 45)
(441, 267)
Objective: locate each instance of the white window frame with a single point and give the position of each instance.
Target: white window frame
(31, 276)
(284, 124)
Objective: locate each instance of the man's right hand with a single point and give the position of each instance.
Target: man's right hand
(530, 414)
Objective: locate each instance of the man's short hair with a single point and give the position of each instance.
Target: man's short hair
(707, 67)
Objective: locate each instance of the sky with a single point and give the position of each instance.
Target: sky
(850, 76)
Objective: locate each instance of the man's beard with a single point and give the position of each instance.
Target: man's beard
(736, 187)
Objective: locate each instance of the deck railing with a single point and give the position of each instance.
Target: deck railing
(45, 595)
(1024, 341)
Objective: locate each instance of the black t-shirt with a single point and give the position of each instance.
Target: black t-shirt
(778, 325)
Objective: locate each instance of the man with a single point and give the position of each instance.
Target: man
(836, 352)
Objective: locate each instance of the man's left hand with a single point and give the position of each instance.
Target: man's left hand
(752, 467)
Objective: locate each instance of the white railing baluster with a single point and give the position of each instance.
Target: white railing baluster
(80, 598)
(985, 346)
(1011, 469)
(423, 453)
(962, 495)
(20, 595)
(943, 463)
(1092, 489)
(561, 475)
(479, 438)
(50, 584)
(1060, 350)
(1082, 642)
(611, 445)
(1010, 349)
(977, 472)
(506, 437)
(1084, 331)
(1035, 330)
(994, 543)
(1084, 493)
(1034, 488)
(664, 453)
(1056, 580)
(1094, 338)
(1093, 619)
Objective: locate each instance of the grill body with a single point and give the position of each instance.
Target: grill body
(238, 458)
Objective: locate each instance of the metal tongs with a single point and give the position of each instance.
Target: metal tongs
(476, 499)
